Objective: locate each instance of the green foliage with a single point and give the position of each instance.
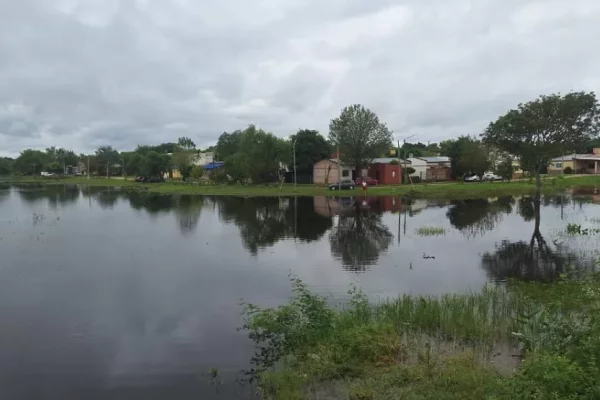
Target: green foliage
(30, 162)
(433, 347)
(197, 172)
(410, 170)
(228, 144)
(430, 231)
(505, 169)
(258, 158)
(568, 171)
(186, 143)
(576, 229)
(6, 165)
(360, 134)
(467, 155)
(154, 164)
(310, 148)
(545, 128)
(106, 158)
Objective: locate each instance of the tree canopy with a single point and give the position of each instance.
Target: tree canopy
(311, 147)
(360, 135)
(547, 127)
(467, 155)
(228, 144)
(259, 156)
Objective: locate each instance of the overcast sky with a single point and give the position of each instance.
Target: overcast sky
(82, 74)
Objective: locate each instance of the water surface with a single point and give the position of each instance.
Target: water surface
(108, 294)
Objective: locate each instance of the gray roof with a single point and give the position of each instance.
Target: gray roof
(440, 159)
(387, 160)
(566, 157)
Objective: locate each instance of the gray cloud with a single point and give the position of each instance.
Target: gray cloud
(82, 74)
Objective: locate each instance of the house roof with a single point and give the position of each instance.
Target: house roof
(387, 160)
(440, 159)
(585, 157)
(566, 157)
(571, 157)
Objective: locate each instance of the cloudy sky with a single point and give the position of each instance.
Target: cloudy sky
(85, 73)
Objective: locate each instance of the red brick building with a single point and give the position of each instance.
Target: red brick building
(385, 173)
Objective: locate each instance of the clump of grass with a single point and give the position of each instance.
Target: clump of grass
(430, 231)
(577, 229)
(432, 347)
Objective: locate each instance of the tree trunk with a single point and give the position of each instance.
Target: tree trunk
(538, 185)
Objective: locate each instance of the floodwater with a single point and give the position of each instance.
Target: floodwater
(106, 294)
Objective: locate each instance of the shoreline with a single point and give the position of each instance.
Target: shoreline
(446, 190)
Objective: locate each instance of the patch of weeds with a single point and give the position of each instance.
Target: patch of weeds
(433, 347)
(576, 229)
(430, 231)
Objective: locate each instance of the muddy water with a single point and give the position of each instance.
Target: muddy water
(106, 294)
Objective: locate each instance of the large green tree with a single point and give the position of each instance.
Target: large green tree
(6, 165)
(467, 155)
(310, 148)
(547, 127)
(106, 157)
(228, 144)
(30, 162)
(259, 158)
(184, 156)
(154, 164)
(360, 135)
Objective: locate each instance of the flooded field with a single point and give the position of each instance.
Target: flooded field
(122, 295)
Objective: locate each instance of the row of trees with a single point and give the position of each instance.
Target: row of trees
(534, 133)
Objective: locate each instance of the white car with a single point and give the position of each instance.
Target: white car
(472, 178)
(44, 173)
(488, 176)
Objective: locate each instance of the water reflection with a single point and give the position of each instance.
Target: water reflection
(360, 236)
(536, 259)
(476, 217)
(354, 227)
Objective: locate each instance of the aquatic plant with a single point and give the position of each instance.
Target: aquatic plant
(576, 229)
(432, 347)
(430, 231)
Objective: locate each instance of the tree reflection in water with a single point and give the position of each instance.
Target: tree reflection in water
(359, 238)
(533, 260)
(478, 216)
(264, 221)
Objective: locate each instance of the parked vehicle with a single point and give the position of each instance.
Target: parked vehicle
(488, 176)
(370, 181)
(343, 184)
(149, 179)
(472, 178)
(44, 173)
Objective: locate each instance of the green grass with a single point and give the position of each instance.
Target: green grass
(450, 190)
(430, 231)
(433, 347)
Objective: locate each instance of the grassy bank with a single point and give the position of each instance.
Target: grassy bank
(521, 341)
(454, 190)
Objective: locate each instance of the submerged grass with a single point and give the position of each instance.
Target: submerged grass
(433, 347)
(449, 190)
(430, 231)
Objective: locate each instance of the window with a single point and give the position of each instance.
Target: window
(591, 165)
(557, 165)
(345, 173)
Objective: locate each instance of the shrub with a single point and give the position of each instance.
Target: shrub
(568, 170)
(410, 170)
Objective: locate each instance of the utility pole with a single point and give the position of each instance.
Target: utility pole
(404, 147)
(123, 167)
(398, 156)
(294, 147)
(88, 168)
(339, 161)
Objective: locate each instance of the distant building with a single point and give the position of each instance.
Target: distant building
(578, 163)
